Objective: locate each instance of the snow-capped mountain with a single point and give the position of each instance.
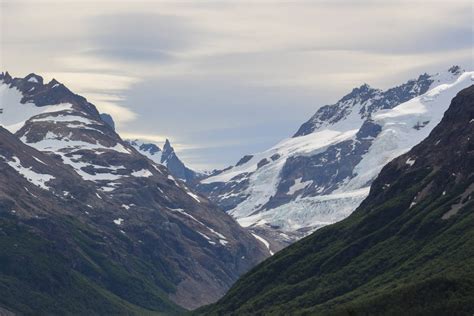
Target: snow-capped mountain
(66, 157)
(407, 249)
(166, 157)
(322, 173)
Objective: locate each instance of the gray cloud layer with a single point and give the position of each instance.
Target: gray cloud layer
(226, 78)
(140, 37)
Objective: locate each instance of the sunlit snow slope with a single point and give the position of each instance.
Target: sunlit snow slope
(320, 175)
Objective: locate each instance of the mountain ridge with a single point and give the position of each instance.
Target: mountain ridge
(308, 181)
(131, 200)
(167, 157)
(408, 247)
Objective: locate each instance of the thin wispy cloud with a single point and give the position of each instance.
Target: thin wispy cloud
(104, 90)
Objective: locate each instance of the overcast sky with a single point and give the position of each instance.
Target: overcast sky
(227, 78)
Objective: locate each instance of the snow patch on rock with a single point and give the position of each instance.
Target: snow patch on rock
(38, 179)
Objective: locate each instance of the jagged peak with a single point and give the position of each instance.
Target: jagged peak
(167, 146)
(423, 76)
(455, 70)
(381, 99)
(54, 82)
(34, 78)
(34, 90)
(363, 91)
(363, 88)
(165, 156)
(5, 76)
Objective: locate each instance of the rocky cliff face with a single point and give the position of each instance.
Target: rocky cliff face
(322, 173)
(149, 239)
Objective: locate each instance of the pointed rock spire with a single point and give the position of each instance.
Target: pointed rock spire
(53, 82)
(5, 77)
(167, 146)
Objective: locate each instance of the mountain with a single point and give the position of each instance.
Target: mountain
(321, 174)
(407, 249)
(168, 158)
(62, 251)
(88, 221)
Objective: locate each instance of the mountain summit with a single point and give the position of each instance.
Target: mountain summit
(166, 157)
(407, 249)
(90, 225)
(365, 101)
(322, 173)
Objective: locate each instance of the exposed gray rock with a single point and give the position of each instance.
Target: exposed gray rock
(107, 118)
(244, 159)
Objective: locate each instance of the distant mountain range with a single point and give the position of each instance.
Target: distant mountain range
(408, 249)
(321, 174)
(380, 184)
(168, 158)
(90, 225)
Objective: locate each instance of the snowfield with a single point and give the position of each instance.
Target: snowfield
(402, 127)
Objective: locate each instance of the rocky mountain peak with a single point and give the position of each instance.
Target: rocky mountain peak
(168, 152)
(34, 78)
(361, 93)
(166, 157)
(5, 77)
(364, 88)
(35, 92)
(131, 199)
(167, 148)
(54, 82)
(366, 101)
(455, 70)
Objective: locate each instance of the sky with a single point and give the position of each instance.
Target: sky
(222, 79)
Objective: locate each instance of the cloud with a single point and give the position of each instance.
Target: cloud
(106, 103)
(105, 91)
(140, 37)
(153, 138)
(226, 78)
(82, 81)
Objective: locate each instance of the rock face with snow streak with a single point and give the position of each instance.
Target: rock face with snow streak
(321, 174)
(116, 192)
(168, 158)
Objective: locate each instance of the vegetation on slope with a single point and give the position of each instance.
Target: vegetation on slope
(38, 275)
